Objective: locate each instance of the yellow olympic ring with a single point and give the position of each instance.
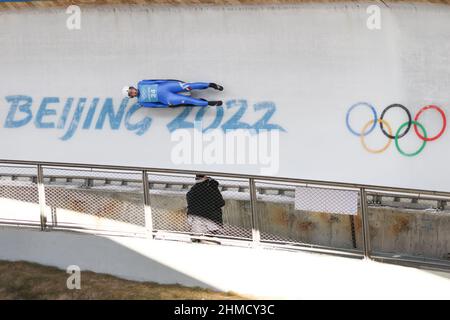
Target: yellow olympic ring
(363, 142)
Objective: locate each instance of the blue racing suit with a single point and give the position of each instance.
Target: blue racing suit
(166, 93)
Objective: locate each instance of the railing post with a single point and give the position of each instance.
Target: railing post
(147, 206)
(365, 223)
(41, 195)
(256, 237)
(54, 217)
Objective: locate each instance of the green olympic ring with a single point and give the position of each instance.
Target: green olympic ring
(424, 141)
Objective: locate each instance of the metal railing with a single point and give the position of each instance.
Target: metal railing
(258, 210)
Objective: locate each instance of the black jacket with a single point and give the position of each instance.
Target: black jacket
(205, 200)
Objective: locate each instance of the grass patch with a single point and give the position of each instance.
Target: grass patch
(24, 280)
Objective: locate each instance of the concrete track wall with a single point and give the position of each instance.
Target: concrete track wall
(419, 233)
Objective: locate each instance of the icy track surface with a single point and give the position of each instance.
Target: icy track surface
(290, 74)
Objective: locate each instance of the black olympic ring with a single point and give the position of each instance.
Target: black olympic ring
(396, 105)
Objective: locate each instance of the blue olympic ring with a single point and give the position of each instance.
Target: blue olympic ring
(375, 119)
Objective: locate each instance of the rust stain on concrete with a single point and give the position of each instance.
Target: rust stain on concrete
(401, 224)
(305, 226)
(77, 205)
(280, 217)
(110, 209)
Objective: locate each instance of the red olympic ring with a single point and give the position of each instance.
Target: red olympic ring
(444, 125)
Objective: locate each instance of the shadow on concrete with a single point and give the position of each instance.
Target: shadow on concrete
(90, 252)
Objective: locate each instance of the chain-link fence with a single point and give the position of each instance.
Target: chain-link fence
(214, 206)
(382, 223)
(409, 225)
(94, 199)
(299, 214)
(19, 200)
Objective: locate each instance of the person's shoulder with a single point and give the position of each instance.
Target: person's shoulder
(196, 189)
(196, 186)
(140, 84)
(212, 182)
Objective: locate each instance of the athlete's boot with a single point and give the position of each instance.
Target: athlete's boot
(216, 86)
(215, 103)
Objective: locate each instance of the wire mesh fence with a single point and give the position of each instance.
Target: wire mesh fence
(406, 225)
(294, 213)
(167, 195)
(92, 198)
(19, 200)
(398, 224)
(213, 206)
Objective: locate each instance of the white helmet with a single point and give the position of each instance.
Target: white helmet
(125, 91)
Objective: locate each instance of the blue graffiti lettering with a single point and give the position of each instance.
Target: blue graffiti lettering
(23, 103)
(115, 119)
(90, 115)
(44, 111)
(263, 123)
(234, 122)
(21, 113)
(65, 114)
(140, 127)
(180, 121)
(216, 122)
(75, 120)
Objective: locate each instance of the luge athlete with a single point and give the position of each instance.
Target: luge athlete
(169, 93)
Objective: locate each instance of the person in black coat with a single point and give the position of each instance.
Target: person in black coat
(204, 205)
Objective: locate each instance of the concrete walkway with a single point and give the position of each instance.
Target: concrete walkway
(256, 272)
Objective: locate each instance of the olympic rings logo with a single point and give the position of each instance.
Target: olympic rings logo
(401, 131)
